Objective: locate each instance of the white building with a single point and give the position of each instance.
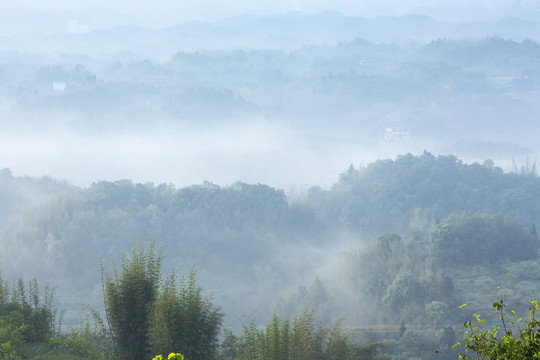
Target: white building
(397, 134)
(59, 86)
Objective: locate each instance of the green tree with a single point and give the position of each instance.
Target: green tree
(461, 238)
(11, 338)
(128, 297)
(28, 318)
(303, 339)
(406, 289)
(28, 309)
(438, 314)
(229, 346)
(183, 319)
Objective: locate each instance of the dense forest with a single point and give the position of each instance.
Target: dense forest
(344, 238)
(451, 96)
(393, 248)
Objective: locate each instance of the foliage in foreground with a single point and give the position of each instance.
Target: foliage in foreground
(128, 295)
(300, 339)
(517, 341)
(26, 317)
(146, 315)
(183, 318)
(172, 356)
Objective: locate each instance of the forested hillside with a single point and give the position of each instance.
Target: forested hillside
(266, 180)
(17, 193)
(453, 95)
(450, 231)
(388, 194)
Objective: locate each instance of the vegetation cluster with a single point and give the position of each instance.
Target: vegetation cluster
(520, 337)
(439, 90)
(392, 248)
(442, 232)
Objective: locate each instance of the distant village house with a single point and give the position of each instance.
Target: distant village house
(397, 134)
(59, 86)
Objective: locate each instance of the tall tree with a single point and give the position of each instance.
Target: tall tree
(128, 297)
(185, 320)
(303, 338)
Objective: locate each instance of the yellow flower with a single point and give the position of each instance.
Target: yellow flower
(173, 356)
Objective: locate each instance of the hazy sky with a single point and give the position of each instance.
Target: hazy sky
(167, 12)
(270, 5)
(54, 16)
(260, 152)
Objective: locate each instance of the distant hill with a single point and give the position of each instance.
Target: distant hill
(285, 31)
(249, 242)
(388, 194)
(20, 193)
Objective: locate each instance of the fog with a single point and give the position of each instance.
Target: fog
(289, 104)
(287, 94)
(252, 152)
(255, 152)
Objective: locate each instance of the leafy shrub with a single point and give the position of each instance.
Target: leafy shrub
(25, 309)
(183, 318)
(512, 341)
(146, 316)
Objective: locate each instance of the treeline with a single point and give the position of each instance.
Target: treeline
(407, 276)
(420, 279)
(444, 232)
(388, 195)
(28, 317)
(395, 280)
(146, 313)
(267, 242)
(17, 193)
(364, 86)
